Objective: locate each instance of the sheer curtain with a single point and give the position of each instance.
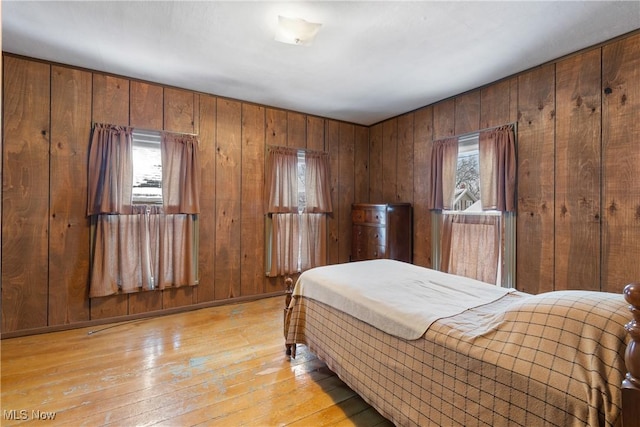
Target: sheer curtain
(282, 180)
(180, 173)
(141, 247)
(497, 157)
(298, 226)
(471, 246)
(444, 162)
(110, 176)
(178, 231)
(317, 189)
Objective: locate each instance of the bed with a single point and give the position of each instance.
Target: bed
(495, 357)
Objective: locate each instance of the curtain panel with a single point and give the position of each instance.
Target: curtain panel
(313, 241)
(181, 174)
(497, 158)
(110, 173)
(142, 251)
(444, 163)
(285, 244)
(281, 186)
(317, 188)
(471, 246)
(299, 242)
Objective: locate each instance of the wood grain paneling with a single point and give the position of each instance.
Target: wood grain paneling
(276, 131)
(179, 112)
(496, 105)
(423, 134)
(228, 199)
(333, 221)
(252, 266)
(404, 187)
(621, 163)
(315, 133)
(467, 109)
(444, 119)
(361, 165)
(577, 172)
(207, 217)
(110, 104)
(177, 297)
(296, 130)
(25, 194)
(69, 224)
(147, 102)
(345, 194)
(535, 222)
(375, 164)
(390, 161)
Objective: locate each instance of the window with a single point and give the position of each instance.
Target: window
(147, 167)
(302, 193)
(474, 242)
(297, 200)
(467, 193)
(144, 236)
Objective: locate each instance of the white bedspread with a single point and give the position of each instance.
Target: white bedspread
(396, 297)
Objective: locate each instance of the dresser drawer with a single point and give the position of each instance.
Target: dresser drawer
(376, 252)
(369, 234)
(357, 216)
(368, 251)
(369, 216)
(375, 216)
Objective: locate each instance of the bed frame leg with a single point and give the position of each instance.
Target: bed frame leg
(631, 383)
(288, 291)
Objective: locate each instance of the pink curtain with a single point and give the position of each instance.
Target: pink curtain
(471, 246)
(124, 251)
(497, 156)
(177, 251)
(110, 178)
(317, 187)
(444, 163)
(285, 244)
(281, 187)
(180, 173)
(314, 240)
(143, 251)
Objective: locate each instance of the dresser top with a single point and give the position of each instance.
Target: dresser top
(378, 205)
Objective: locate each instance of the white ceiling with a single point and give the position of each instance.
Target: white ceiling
(370, 60)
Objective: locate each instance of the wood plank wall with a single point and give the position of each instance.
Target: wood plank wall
(578, 136)
(48, 112)
(578, 223)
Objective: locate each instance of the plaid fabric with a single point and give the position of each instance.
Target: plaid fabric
(553, 359)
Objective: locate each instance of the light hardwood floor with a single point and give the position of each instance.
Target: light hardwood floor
(220, 366)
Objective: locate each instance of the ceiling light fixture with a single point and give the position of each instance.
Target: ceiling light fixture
(296, 31)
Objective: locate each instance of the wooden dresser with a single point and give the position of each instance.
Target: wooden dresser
(381, 231)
